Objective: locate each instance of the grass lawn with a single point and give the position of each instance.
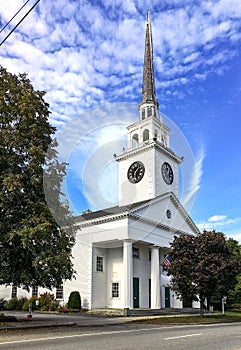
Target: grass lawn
(228, 317)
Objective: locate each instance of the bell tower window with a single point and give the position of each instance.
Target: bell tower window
(143, 114)
(135, 141)
(149, 111)
(145, 135)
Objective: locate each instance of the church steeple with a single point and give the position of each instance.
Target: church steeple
(149, 105)
(148, 86)
(148, 167)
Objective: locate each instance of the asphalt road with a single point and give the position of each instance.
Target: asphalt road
(208, 337)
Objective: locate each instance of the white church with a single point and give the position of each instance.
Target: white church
(119, 251)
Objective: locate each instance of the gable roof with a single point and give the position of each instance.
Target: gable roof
(109, 211)
(134, 211)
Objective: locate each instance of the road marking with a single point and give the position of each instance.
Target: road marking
(78, 335)
(184, 336)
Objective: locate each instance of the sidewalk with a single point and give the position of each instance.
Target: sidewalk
(51, 320)
(38, 320)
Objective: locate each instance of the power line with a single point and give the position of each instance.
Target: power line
(19, 23)
(14, 16)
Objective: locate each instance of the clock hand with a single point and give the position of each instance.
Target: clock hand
(135, 171)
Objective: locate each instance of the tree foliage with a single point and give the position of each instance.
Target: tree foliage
(34, 249)
(234, 295)
(203, 266)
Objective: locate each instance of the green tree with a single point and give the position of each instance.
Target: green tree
(234, 295)
(34, 249)
(202, 266)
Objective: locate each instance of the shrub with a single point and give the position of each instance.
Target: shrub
(74, 301)
(47, 302)
(32, 300)
(63, 309)
(14, 303)
(236, 306)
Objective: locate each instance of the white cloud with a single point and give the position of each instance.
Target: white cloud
(223, 8)
(84, 55)
(217, 218)
(229, 226)
(192, 57)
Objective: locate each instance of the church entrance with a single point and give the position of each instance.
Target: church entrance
(135, 292)
(149, 293)
(167, 297)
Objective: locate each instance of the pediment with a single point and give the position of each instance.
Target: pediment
(167, 212)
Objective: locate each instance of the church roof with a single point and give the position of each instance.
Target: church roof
(109, 211)
(148, 85)
(118, 212)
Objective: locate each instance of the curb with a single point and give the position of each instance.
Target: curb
(35, 326)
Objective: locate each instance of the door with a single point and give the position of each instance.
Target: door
(149, 293)
(135, 292)
(167, 297)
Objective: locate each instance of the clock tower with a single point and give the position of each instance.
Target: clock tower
(148, 168)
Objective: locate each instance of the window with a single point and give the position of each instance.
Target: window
(35, 291)
(143, 114)
(115, 289)
(14, 292)
(60, 292)
(149, 111)
(145, 135)
(135, 141)
(135, 252)
(99, 263)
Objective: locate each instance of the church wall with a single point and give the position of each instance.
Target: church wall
(99, 279)
(115, 274)
(6, 292)
(82, 259)
(177, 303)
(107, 231)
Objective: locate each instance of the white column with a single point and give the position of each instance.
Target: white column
(155, 278)
(128, 274)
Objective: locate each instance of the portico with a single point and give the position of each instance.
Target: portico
(155, 275)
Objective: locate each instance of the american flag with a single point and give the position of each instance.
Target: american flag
(167, 261)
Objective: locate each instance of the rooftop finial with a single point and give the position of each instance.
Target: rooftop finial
(148, 17)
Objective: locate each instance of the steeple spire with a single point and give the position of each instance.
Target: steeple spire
(148, 84)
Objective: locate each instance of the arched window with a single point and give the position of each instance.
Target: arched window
(145, 135)
(135, 141)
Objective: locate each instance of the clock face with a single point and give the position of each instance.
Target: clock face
(167, 173)
(136, 172)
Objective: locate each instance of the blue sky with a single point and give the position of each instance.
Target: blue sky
(88, 57)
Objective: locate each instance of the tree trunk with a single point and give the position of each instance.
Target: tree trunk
(202, 307)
